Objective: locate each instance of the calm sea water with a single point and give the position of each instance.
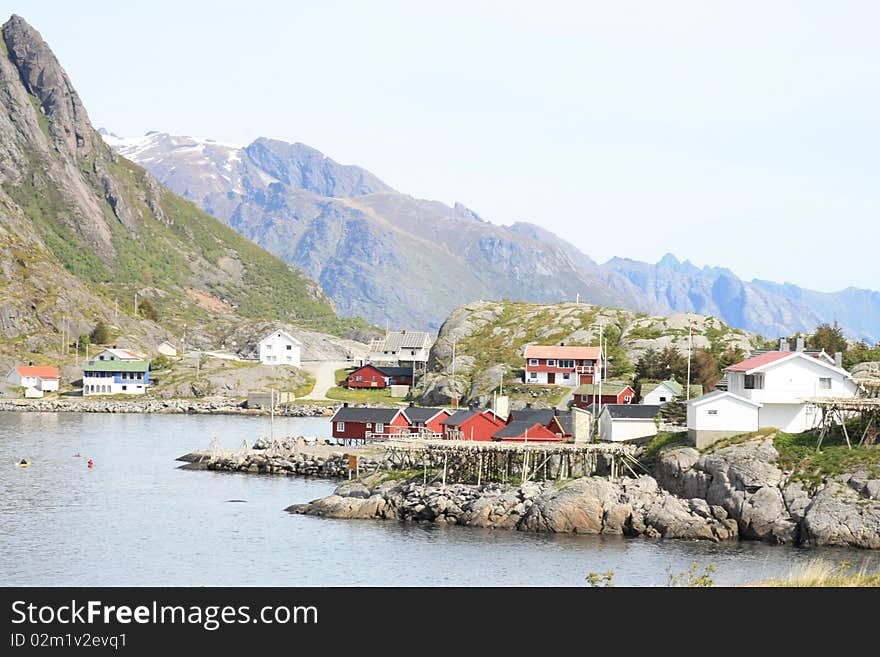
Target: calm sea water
(136, 519)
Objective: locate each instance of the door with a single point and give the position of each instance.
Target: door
(551, 377)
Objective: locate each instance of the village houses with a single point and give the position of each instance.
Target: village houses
(35, 379)
(114, 372)
(561, 365)
(280, 348)
(401, 348)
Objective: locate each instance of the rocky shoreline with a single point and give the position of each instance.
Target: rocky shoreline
(180, 406)
(733, 492)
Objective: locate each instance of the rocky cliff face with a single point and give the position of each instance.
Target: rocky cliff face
(377, 253)
(83, 229)
(769, 309)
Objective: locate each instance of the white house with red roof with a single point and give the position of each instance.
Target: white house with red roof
(40, 377)
(770, 389)
(562, 366)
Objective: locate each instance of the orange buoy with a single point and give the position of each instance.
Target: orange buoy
(91, 463)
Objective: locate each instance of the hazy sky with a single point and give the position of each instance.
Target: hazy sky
(741, 134)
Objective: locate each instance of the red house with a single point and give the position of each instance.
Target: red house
(612, 393)
(561, 366)
(426, 419)
(353, 424)
(371, 376)
(527, 432)
(471, 425)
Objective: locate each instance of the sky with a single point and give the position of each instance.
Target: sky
(738, 134)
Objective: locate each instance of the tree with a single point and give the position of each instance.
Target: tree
(100, 334)
(148, 311)
(705, 369)
(83, 341)
(827, 337)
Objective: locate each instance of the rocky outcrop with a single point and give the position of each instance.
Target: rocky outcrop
(591, 505)
(767, 504)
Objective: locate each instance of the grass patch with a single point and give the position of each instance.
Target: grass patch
(662, 441)
(823, 573)
(364, 395)
(797, 453)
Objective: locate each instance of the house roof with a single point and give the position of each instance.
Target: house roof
(40, 371)
(283, 333)
(558, 351)
(122, 354)
(564, 419)
(396, 371)
(422, 413)
(717, 394)
(523, 428)
(116, 366)
(631, 411)
(397, 340)
(759, 360)
(539, 415)
(460, 417)
(608, 388)
(352, 414)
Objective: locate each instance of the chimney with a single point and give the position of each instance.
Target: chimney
(30, 363)
(528, 404)
(412, 404)
(344, 404)
(799, 343)
(783, 344)
(838, 359)
(403, 332)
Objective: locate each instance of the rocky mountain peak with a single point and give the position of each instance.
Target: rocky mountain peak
(45, 79)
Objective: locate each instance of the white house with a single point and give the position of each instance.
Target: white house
(116, 354)
(779, 386)
(167, 349)
(623, 422)
(40, 377)
(561, 365)
(720, 414)
(115, 376)
(401, 347)
(280, 348)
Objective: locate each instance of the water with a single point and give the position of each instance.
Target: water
(135, 519)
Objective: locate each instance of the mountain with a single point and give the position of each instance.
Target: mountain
(763, 307)
(83, 230)
(377, 253)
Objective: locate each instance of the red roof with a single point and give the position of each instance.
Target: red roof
(42, 371)
(759, 361)
(579, 353)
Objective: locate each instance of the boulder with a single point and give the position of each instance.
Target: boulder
(838, 515)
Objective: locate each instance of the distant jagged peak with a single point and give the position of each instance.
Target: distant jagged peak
(461, 210)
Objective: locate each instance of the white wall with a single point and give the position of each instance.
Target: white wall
(621, 430)
(653, 397)
(47, 385)
(730, 415)
(571, 382)
(274, 351)
(791, 418)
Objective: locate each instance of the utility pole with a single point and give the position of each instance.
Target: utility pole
(455, 400)
(577, 299)
(690, 348)
(272, 414)
(135, 304)
(116, 308)
(601, 365)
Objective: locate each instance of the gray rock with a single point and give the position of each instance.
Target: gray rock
(838, 515)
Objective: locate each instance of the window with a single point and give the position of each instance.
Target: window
(290, 359)
(551, 363)
(754, 382)
(374, 378)
(663, 399)
(268, 347)
(566, 376)
(359, 378)
(533, 361)
(380, 428)
(533, 375)
(369, 425)
(585, 398)
(825, 383)
(627, 399)
(712, 411)
(289, 347)
(125, 387)
(566, 363)
(340, 426)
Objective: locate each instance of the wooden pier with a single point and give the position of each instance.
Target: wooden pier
(466, 461)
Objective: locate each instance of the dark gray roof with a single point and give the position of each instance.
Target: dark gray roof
(459, 417)
(564, 418)
(632, 411)
(421, 413)
(351, 414)
(539, 415)
(395, 371)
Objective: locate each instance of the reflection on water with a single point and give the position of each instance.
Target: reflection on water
(135, 519)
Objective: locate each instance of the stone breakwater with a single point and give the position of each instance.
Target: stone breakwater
(768, 504)
(332, 465)
(590, 505)
(733, 492)
(192, 406)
